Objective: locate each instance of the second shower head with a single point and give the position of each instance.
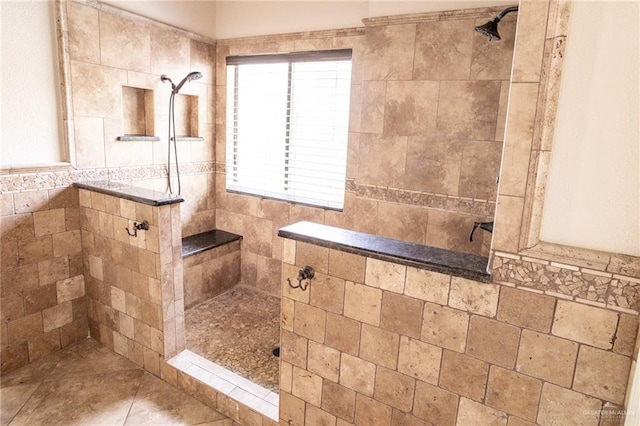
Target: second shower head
(195, 75)
(490, 29)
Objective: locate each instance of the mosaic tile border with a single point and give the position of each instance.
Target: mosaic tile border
(425, 199)
(57, 179)
(597, 288)
(475, 207)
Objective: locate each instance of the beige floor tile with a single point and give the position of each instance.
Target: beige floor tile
(89, 358)
(159, 403)
(32, 373)
(102, 399)
(12, 399)
(88, 384)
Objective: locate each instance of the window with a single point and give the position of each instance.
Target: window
(287, 126)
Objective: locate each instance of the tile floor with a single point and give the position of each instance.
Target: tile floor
(88, 384)
(238, 330)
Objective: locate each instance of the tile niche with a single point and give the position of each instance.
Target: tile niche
(137, 114)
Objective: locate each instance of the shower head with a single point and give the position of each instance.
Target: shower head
(490, 29)
(195, 75)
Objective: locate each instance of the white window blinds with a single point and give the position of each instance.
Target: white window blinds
(287, 126)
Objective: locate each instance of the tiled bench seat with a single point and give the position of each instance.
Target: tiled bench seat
(211, 262)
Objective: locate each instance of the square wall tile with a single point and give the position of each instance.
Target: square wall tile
(548, 358)
(585, 324)
(443, 50)
(493, 341)
(475, 297)
(513, 393)
(559, 406)
(389, 52)
(124, 43)
(464, 375)
(411, 107)
(526, 309)
(382, 159)
(602, 374)
(433, 164)
(468, 109)
(435, 405)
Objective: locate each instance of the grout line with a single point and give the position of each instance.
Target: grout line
(25, 401)
(133, 400)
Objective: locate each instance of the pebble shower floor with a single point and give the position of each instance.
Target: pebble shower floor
(238, 330)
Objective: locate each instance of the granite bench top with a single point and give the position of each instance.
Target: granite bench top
(198, 243)
(420, 256)
(131, 193)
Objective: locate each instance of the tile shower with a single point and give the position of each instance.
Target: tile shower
(426, 131)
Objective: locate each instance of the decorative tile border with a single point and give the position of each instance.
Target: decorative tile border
(475, 207)
(57, 179)
(425, 199)
(583, 285)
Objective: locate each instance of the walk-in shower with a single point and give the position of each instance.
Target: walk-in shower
(490, 29)
(195, 75)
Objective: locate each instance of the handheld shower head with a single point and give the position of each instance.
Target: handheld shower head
(490, 29)
(195, 75)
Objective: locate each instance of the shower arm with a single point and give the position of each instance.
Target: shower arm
(507, 10)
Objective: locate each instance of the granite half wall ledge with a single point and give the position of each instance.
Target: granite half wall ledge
(420, 256)
(131, 193)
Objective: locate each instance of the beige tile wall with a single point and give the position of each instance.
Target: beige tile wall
(42, 291)
(211, 272)
(134, 284)
(42, 271)
(387, 344)
(519, 257)
(109, 49)
(428, 102)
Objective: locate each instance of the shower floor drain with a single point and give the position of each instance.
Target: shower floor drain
(276, 351)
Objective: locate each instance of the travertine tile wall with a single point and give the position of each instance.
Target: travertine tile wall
(428, 103)
(109, 49)
(42, 289)
(374, 342)
(134, 284)
(211, 272)
(519, 258)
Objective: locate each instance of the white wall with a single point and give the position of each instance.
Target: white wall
(197, 16)
(31, 120)
(593, 193)
(251, 18)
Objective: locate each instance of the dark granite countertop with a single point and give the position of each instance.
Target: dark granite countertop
(132, 193)
(435, 259)
(206, 240)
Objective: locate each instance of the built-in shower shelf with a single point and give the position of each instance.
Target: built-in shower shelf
(189, 138)
(135, 138)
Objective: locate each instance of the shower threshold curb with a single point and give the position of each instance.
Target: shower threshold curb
(220, 379)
